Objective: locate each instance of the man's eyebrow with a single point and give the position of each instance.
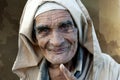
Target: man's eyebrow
(41, 27)
(65, 22)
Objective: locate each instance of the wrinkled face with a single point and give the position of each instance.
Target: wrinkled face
(56, 36)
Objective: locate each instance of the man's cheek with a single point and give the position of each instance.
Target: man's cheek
(42, 43)
(72, 38)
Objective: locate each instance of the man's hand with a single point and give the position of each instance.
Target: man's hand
(66, 72)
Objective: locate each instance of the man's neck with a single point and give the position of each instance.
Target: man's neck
(69, 65)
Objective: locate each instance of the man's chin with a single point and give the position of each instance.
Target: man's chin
(57, 62)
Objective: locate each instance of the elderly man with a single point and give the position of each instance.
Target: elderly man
(57, 41)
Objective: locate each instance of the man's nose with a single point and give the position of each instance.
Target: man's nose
(56, 39)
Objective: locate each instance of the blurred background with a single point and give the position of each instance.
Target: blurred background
(104, 13)
(106, 18)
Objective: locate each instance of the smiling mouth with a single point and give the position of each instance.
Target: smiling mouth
(59, 50)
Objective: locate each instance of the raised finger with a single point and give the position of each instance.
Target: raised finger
(67, 73)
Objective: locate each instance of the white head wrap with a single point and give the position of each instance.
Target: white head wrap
(29, 55)
(47, 7)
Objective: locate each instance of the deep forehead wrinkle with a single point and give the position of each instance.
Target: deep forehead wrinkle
(53, 17)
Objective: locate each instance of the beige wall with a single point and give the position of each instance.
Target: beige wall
(109, 22)
(106, 17)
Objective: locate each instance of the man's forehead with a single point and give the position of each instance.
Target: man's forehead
(53, 15)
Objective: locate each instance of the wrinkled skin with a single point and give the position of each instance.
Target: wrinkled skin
(57, 38)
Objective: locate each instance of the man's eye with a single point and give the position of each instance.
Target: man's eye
(65, 27)
(43, 31)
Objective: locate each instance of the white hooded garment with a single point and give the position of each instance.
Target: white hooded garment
(29, 60)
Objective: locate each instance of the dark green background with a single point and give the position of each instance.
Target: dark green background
(10, 12)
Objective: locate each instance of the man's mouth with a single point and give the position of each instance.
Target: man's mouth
(59, 50)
